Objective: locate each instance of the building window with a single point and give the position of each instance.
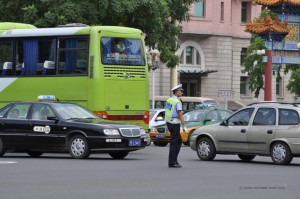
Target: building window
(191, 56)
(222, 11)
(246, 10)
(279, 86)
(199, 8)
(243, 54)
(244, 88)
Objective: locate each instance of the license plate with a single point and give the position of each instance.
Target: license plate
(160, 136)
(135, 142)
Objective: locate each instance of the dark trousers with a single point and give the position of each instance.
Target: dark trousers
(175, 142)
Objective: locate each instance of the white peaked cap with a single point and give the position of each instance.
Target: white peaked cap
(178, 87)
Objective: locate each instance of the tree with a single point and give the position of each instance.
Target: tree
(158, 19)
(294, 81)
(253, 65)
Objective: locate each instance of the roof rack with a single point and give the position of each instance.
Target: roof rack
(73, 25)
(273, 102)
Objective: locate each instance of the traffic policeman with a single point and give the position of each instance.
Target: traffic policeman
(173, 116)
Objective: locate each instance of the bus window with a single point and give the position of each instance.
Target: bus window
(31, 55)
(73, 55)
(121, 51)
(6, 57)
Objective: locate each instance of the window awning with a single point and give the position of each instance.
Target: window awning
(196, 72)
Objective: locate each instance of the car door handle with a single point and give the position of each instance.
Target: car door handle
(243, 130)
(269, 131)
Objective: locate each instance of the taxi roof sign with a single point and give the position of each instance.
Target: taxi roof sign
(47, 97)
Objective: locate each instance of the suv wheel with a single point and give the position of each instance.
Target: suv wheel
(78, 147)
(246, 158)
(2, 148)
(206, 149)
(281, 153)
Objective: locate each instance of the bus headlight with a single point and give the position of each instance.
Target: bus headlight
(111, 132)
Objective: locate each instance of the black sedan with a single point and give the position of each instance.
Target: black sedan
(39, 127)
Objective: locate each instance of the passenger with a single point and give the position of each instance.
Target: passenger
(15, 113)
(44, 114)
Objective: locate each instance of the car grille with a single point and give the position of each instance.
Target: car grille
(134, 132)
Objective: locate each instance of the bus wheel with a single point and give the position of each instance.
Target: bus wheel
(119, 155)
(2, 148)
(35, 153)
(78, 147)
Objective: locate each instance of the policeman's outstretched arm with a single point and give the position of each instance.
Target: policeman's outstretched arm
(182, 121)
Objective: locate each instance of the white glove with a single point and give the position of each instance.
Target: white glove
(184, 129)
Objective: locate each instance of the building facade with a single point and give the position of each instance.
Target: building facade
(213, 45)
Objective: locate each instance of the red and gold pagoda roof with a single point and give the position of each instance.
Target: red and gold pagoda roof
(277, 2)
(267, 25)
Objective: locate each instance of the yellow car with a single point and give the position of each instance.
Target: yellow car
(160, 136)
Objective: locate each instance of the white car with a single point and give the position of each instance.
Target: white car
(157, 117)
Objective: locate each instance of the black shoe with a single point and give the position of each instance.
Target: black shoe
(175, 166)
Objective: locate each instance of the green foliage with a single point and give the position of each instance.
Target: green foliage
(253, 65)
(158, 19)
(294, 82)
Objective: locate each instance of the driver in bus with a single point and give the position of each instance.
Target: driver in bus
(120, 51)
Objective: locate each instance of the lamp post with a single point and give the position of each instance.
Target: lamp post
(268, 73)
(154, 62)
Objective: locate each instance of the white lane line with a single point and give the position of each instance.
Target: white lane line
(8, 162)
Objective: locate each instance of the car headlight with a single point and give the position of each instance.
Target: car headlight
(143, 132)
(153, 129)
(111, 132)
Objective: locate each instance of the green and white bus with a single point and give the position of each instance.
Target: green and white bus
(100, 67)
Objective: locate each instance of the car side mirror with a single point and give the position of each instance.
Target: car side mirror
(224, 123)
(206, 120)
(159, 118)
(56, 119)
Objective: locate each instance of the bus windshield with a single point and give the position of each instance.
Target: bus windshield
(122, 51)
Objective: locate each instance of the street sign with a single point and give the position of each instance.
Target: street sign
(226, 93)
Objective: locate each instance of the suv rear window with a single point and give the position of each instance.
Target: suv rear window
(288, 117)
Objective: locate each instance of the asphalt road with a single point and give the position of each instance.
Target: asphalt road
(144, 174)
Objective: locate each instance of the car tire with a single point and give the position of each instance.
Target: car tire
(35, 154)
(78, 147)
(2, 148)
(281, 153)
(119, 155)
(206, 149)
(246, 158)
(161, 144)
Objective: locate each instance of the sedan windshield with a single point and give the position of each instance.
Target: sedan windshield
(194, 116)
(70, 111)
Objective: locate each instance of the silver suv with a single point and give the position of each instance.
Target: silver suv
(264, 128)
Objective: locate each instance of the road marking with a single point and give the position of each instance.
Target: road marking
(8, 162)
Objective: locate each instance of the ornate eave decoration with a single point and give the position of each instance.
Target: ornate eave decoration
(277, 2)
(281, 6)
(268, 28)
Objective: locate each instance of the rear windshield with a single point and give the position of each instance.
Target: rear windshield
(122, 51)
